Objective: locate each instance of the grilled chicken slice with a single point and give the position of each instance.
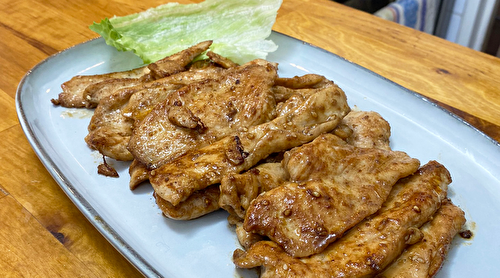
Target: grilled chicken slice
(320, 112)
(73, 91)
(365, 129)
(138, 174)
(238, 190)
(110, 128)
(142, 102)
(333, 186)
(299, 88)
(358, 128)
(221, 60)
(245, 238)
(424, 258)
(300, 82)
(177, 62)
(370, 246)
(206, 111)
(87, 90)
(198, 204)
(118, 114)
(95, 92)
(109, 131)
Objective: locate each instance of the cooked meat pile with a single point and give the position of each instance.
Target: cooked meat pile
(312, 187)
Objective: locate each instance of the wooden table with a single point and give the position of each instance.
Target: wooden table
(43, 234)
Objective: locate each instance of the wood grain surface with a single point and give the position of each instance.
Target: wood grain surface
(42, 234)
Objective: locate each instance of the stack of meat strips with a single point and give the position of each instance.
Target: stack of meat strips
(313, 188)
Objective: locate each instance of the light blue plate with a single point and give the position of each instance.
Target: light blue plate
(158, 246)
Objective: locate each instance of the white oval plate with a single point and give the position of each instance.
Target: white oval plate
(157, 246)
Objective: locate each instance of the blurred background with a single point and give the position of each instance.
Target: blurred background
(471, 23)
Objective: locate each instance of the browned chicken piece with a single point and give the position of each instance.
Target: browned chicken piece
(75, 92)
(221, 60)
(198, 204)
(333, 186)
(245, 238)
(142, 102)
(424, 259)
(238, 190)
(176, 62)
(365, 129)
(111, 127)
(203, 112)
(313, 162)
(299, 87)
(95, 92)
(118, 114)
(109, 131)
(138, 174)
(366, 249)
(107, 170)
(300, 82)
(320, 112)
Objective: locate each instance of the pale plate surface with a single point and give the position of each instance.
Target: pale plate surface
(158, 246)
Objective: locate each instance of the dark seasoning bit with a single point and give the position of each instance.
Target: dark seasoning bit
(236, 154)
(467, 234)
(106, 169)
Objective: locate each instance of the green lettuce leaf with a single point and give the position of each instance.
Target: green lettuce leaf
(239, 29)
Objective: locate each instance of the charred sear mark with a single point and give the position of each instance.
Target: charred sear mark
(235, 152)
